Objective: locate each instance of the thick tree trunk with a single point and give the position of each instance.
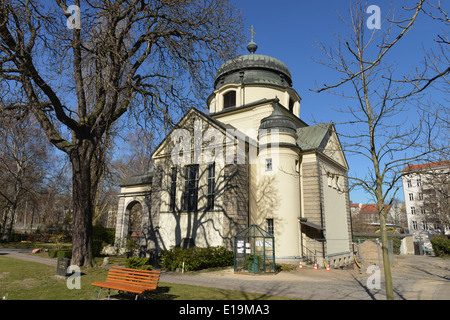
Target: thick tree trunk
(82, 208)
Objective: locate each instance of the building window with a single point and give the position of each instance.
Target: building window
(190, 196)
(269, 226)
(211, 185)
(419, 182)
(422, 211)
(409, 183)
(411, 196)
(420, 196)
(173, 189)
(269, 164)
(336, 182)
(229, 99)
(414, 225)
(413, 210)
(291, 105)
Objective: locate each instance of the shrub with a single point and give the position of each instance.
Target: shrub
(196, 258)
(97, 246)
(106, 235)
(52, 253)
(58, 239)
(101, 237)
(64, 254)
(251, 259)
(131, 247)
(285, 267)
(60, 254)
(396, 243)
(138, 263)
(441, 245)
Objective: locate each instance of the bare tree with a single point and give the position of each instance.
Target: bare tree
(121, 163)
(435, 71)
(380, 128)
(80, 73)
(22, 163)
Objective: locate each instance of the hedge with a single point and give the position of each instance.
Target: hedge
(60, 253)
(196, 258)
(101, 237)
(441, 246)
(106, 235)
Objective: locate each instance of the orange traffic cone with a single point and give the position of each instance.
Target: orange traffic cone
(300, 265)
(328, 267)
(315, 266)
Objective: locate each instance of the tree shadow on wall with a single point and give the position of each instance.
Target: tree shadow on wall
(195, 223)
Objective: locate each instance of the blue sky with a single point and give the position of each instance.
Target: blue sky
(286, 29)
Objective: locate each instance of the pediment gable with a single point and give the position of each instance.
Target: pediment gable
(322, 138)
(198, 130)
(332, 148)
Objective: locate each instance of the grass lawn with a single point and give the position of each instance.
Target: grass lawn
(23, 280)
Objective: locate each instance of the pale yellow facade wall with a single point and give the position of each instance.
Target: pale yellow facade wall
(205, 227)
(249, 94)
(247, 121)
(208, 226)
(278, 197)
(335, 211)
(135, 189)
(202, 183)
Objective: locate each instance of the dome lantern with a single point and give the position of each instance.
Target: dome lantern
(253, 68)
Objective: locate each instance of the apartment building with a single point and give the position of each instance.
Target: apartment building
(426, 189)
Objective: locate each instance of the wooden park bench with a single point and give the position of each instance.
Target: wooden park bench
(129, 280)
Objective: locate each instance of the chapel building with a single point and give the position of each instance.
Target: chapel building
(248, 160)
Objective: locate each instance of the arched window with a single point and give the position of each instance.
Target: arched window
(134, 210)
(229, 99)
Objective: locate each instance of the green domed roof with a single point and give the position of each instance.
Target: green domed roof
(253, 69)
(278, 120)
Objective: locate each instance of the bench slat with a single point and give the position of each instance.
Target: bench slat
(124, 287)
(131, 277)
(136, 271)
(130, 280)
(125, 279)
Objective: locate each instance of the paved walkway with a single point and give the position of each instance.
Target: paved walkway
(414, 278)
(24, 254)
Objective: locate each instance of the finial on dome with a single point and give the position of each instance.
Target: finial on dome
(252, 46)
